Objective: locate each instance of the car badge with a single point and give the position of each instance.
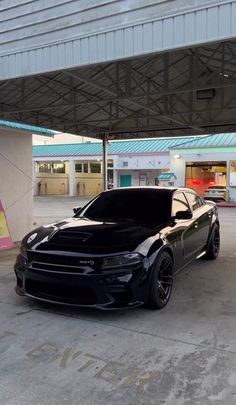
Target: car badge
(86, 262)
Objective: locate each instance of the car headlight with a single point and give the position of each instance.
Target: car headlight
(128, 259)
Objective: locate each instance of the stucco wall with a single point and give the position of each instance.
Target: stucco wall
(137, 175)
(149, 162)
(52, 184)
(88, 184)
(16, 180)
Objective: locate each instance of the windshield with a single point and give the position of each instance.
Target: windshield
(142, 205)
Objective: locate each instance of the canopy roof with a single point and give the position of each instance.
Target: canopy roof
(181, 92)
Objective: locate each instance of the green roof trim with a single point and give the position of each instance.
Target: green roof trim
(217, 140)
(166, 176)
(143, 146)
(114, 147)
(24, 127)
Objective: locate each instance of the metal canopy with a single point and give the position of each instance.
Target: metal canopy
(188, 91)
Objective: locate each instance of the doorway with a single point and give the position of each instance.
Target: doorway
(201, 175)
(125, 180)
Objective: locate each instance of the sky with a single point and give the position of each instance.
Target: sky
(60, 138)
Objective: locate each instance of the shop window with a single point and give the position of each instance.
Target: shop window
(78, 167)
(44, 167)
(52, 167)
(110, 178)
(58, 168)
(95, 167)
(81, 167)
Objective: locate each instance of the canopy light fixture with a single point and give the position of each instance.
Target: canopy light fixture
(206, 94)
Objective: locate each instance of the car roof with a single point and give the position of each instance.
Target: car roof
(170, 190)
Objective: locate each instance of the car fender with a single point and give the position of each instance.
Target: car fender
(166, 248)
(213, 224)
(155, 251)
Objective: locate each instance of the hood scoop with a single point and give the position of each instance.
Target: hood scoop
(70, 234)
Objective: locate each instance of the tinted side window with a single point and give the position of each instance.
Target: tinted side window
(179, 203)
(194, 200)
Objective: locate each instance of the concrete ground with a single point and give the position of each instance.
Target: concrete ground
(50, 209)
(182, 355)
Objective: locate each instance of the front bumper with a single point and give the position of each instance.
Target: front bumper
(118, 289)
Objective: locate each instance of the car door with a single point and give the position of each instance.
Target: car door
(197, 235)
(179, 230)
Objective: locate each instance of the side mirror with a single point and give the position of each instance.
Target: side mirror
(183, 214)
(76, 210)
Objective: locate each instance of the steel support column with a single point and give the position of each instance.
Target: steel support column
(72, 178)
(104, 160)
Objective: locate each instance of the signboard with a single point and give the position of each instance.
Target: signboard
(5, 238)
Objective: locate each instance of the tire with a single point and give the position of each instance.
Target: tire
(213, 245)
(161, 281)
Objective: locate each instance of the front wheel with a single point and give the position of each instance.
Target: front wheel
(213, 245)
(160, 285)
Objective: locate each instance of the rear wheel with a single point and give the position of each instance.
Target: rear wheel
(214, 244)
(161, 282)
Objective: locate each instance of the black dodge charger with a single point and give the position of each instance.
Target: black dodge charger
(121, 250)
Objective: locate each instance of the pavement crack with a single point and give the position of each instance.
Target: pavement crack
(24, 312)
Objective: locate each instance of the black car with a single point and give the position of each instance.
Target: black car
(121, 250)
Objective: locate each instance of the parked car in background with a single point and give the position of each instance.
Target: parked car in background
(215, 193)
(121, 250)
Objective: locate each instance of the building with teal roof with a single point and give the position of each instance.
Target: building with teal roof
(195, 161)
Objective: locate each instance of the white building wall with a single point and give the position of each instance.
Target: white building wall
(136, 176)
(148, 166)
(160, 161)
(16, 180)
(177, 166)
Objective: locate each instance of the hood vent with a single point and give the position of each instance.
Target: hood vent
(69, 235)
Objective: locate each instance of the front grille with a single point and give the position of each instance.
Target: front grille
(79, 295)
(61, 263)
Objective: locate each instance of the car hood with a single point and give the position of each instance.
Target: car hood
(89, 236)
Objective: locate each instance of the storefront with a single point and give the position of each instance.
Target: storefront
(201, 175)
(207, 162)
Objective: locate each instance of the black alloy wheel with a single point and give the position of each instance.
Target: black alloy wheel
(213, 248)
(161, 282)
